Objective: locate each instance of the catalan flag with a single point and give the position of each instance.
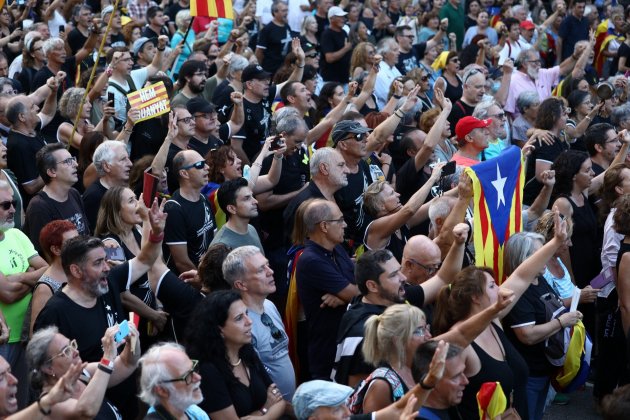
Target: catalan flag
(491, 400)
(574, 372)
(293, 307)
(498, 201)
(211, 8)
(150, 101)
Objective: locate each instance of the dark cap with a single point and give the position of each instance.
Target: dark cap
(199, 105)
(343, 128)
(254, 71)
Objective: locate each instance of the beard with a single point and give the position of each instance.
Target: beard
(95, 288)
(7, 225)
(182, 400)
(533, 73)
(196, 88)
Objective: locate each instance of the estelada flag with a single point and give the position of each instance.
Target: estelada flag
(498, 203)
(151, 101)
(211, 8)
(491, 400)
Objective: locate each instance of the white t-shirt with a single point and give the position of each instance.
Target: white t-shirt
(139, 78)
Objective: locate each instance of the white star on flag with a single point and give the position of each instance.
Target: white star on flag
(499, 185)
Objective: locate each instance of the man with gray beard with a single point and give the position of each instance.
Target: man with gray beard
(90, 301)
(20, 268)
(170, 384)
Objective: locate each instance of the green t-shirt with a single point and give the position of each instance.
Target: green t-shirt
(456, 18)
(15, 251)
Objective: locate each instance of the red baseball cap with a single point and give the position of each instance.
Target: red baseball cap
(468, 124)
(527, 25)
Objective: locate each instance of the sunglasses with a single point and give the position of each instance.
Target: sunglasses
(358, 137)
(312, 55)
(197, 165)
(276, 334)
(186, 377)
(6, 205)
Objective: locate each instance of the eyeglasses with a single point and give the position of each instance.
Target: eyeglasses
(424, 78)
(314, 55)
(186, 377)
(500, 115)
(276, 334)
(537, 62)
(430, 270)
(422, 331)
(68, 162)
(6, 205)
(358, 137)
(186, 120)
(197, 165)
(340, 220)
(68, 351)
(199, 74)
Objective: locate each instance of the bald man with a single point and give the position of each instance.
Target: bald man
(421, 261)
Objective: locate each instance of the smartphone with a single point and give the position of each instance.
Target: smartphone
(123, 331)
(448, 169)
(62, 28)
(277, 143)
(114, 254)
(110, 98)
(21, 2)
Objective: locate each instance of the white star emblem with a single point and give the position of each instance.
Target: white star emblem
(499, 185)
(109, 308)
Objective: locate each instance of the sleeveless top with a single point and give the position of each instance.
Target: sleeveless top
(586, 240)
(395, 244)
(53, 284)
(452, 92)
(366, 109)
(512, 373)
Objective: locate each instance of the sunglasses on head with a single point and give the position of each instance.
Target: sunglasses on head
(6, 205)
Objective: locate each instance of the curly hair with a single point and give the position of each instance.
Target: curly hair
(217, 160)
(359, 57)
(210, 271)
(326, 94)
(70, 102)
(549, 112)
(566, 165)
(127, 30)
(207, 344)
(621, 218)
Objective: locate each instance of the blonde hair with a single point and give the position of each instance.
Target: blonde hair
(371, 199)
(387, 335)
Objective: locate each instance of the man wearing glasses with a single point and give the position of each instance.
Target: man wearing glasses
(383, 282)
(190, 227)
(192, 76)
(170, 384)
(247, 270)
(492, 111)
(57, 200)
(410, 53)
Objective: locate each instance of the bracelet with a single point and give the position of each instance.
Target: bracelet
(105, 369)
(301, 67)
(263, 411)
(560, 322)
(383, 164)
(399, 115)
(397, 96)
(587, 118)
(423, 385)
(161, 49)
(39, 405)
(156, 239)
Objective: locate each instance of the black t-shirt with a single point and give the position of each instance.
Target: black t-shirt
(411, 60)
(92, 202)
(21, 151)
(409, 181)
(43, 209)
(257, 121)
(623, 51)
(76, 40)
(322, 24)
(221, 99)
(221, 392)
(459, 111)
(276, 42)
(332, 41)
(295, 173)
(204, 148)
(147, 137)
(530, 310)
(179, 300)
(87, 325)
(188, 223)
(150, 33)
(171, 177)
(350, 202)
(544, 152)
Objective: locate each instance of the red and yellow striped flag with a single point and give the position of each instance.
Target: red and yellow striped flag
(491, 400)
(498, 202)
(211, 8)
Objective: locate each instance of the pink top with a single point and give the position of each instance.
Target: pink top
(463, 160)
(521, 82)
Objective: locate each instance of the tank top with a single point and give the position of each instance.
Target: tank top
(452, 92)
(586, 247)
(511, 373)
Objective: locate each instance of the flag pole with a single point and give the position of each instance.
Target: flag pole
(186, 34)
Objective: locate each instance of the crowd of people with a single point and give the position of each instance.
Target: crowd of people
(309, 250)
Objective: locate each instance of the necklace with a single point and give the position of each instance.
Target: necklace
(498, 343)
(237, 363)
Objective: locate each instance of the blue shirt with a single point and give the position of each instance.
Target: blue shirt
(571, 31)
(318, 272)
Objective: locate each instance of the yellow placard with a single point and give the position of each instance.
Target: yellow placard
(151, 101)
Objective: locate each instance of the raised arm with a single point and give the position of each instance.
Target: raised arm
(260, 184)
(156, 64)
(151, 243)
(596, 183)
(238, 114)
(457, 214)
(298, 71)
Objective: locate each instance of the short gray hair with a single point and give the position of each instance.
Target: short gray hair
(527, 99)
(439, 207)
(104, 153)
(481, 109)
(154, 371)
(522, 56)
(317, 211)
(384, 45)
(321, 155)
(234, 264)
(290, 125)
(237, 63)
(180, 18)
(518, 248)
(620, 114)
(51, 44)
(37, 355)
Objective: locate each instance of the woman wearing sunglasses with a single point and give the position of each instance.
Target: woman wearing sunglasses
(50, 355)
(118, 224)
(234, 379)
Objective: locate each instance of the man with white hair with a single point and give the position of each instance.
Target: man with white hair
(20, 268)
(112, 164)
(388, 48)
(491, 110)
(170, 384)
